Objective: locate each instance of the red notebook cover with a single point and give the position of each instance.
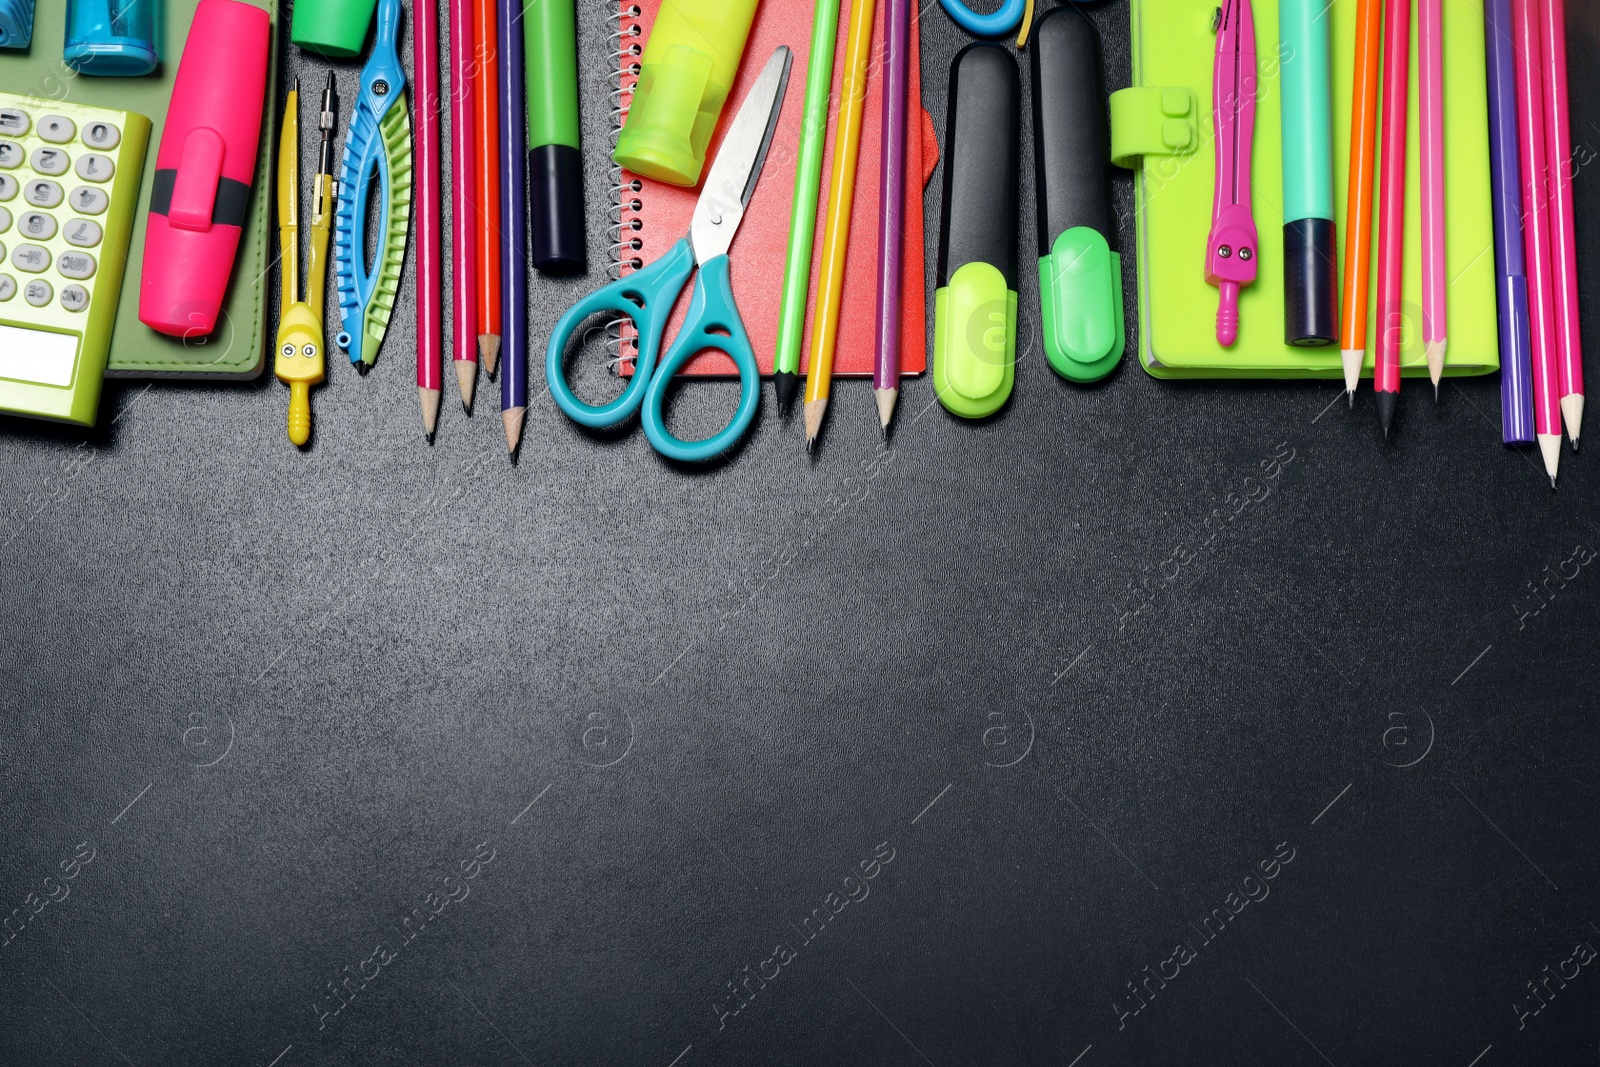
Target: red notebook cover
(758, 251)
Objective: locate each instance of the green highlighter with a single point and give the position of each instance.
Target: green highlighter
(332, 27)
(975, 307)
(1080, 275)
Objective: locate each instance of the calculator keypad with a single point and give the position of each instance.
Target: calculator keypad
(42, 193)
(61, 169)
(88, 201)
(30, 258)
(51, 161)
(36, 226)
(83, 233)
(57, 130)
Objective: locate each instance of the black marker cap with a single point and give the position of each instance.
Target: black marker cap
(556, 209)
(982, 165)
(1310, 284)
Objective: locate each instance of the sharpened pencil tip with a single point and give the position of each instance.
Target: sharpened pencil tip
(1386, 405)
(1550, 449)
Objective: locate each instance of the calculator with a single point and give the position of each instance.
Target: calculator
(69, 191)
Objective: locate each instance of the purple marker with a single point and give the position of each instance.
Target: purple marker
(1505, 172)
(891, 208)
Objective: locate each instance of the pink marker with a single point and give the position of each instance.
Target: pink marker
(1563, 238)
(200, 195)
(1232, 248)
(1536, 232)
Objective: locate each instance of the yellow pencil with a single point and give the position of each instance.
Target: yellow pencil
(836, 227)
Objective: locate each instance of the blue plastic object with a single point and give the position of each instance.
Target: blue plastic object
(378, 145)
(647, 297)
(112, 38)
(16, 23)
(995, 24)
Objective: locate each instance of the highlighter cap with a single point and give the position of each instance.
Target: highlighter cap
(200, 192)
(685, 76)
(332, 27)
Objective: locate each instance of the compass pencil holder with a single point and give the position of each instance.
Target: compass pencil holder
(112, 38)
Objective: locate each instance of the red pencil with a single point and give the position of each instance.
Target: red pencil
(430, 318)
(1392, 208)
(463, 202)
(486, 105)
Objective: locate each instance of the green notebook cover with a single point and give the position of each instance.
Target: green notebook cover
(1162, 128)
(238, 346)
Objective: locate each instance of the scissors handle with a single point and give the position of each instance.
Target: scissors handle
(713, 323)
(646, 296)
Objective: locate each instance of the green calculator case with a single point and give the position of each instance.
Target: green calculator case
(1161, 128)
(237, 349)
(69, 186)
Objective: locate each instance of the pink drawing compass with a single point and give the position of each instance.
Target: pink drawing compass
(1231, 249)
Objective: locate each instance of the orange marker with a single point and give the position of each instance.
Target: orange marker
(486, 121)
(1358, 215)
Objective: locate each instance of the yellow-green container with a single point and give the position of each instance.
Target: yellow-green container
(686, 73)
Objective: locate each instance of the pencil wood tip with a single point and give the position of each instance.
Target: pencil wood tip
(815, 409)
(1435, 355)
(467, 379)
(430, 410)
(1572, 416)
(489, 352)
(1352, 359)
(1550, 448)
(886, 400)
(512, 417)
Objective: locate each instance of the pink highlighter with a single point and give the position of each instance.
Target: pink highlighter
(207, 159)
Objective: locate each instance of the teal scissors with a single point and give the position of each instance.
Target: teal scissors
(646, 296)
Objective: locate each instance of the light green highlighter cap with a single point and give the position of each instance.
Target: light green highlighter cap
(685, 75)
(1080, 291)
(974, 341)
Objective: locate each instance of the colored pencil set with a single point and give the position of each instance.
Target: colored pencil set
(1531, 178)
(513, 115)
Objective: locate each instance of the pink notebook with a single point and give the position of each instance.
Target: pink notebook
(758, 249)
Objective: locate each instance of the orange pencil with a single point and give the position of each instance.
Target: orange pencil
(1358, 213)
(486, 101)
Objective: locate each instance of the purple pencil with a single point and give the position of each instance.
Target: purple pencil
(1505, 174)
(891, 208)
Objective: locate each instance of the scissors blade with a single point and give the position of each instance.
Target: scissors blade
(737, 167)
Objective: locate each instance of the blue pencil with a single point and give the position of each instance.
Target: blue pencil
(513, 224)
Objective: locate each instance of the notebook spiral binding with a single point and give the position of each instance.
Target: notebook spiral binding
(622, 53)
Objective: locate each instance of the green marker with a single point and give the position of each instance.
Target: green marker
(1310, 253)
(803, 215)
(555, 162)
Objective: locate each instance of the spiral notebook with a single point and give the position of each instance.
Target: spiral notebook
(1162, 128)
(758, 250)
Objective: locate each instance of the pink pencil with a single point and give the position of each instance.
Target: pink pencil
(430, 312)
(1536, 232)
(463, 205)
(1435, 272)
(1563, 238)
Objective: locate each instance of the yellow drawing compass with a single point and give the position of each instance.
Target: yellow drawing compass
(299, 360)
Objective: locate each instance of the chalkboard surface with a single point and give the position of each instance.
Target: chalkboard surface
(1140, 724)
